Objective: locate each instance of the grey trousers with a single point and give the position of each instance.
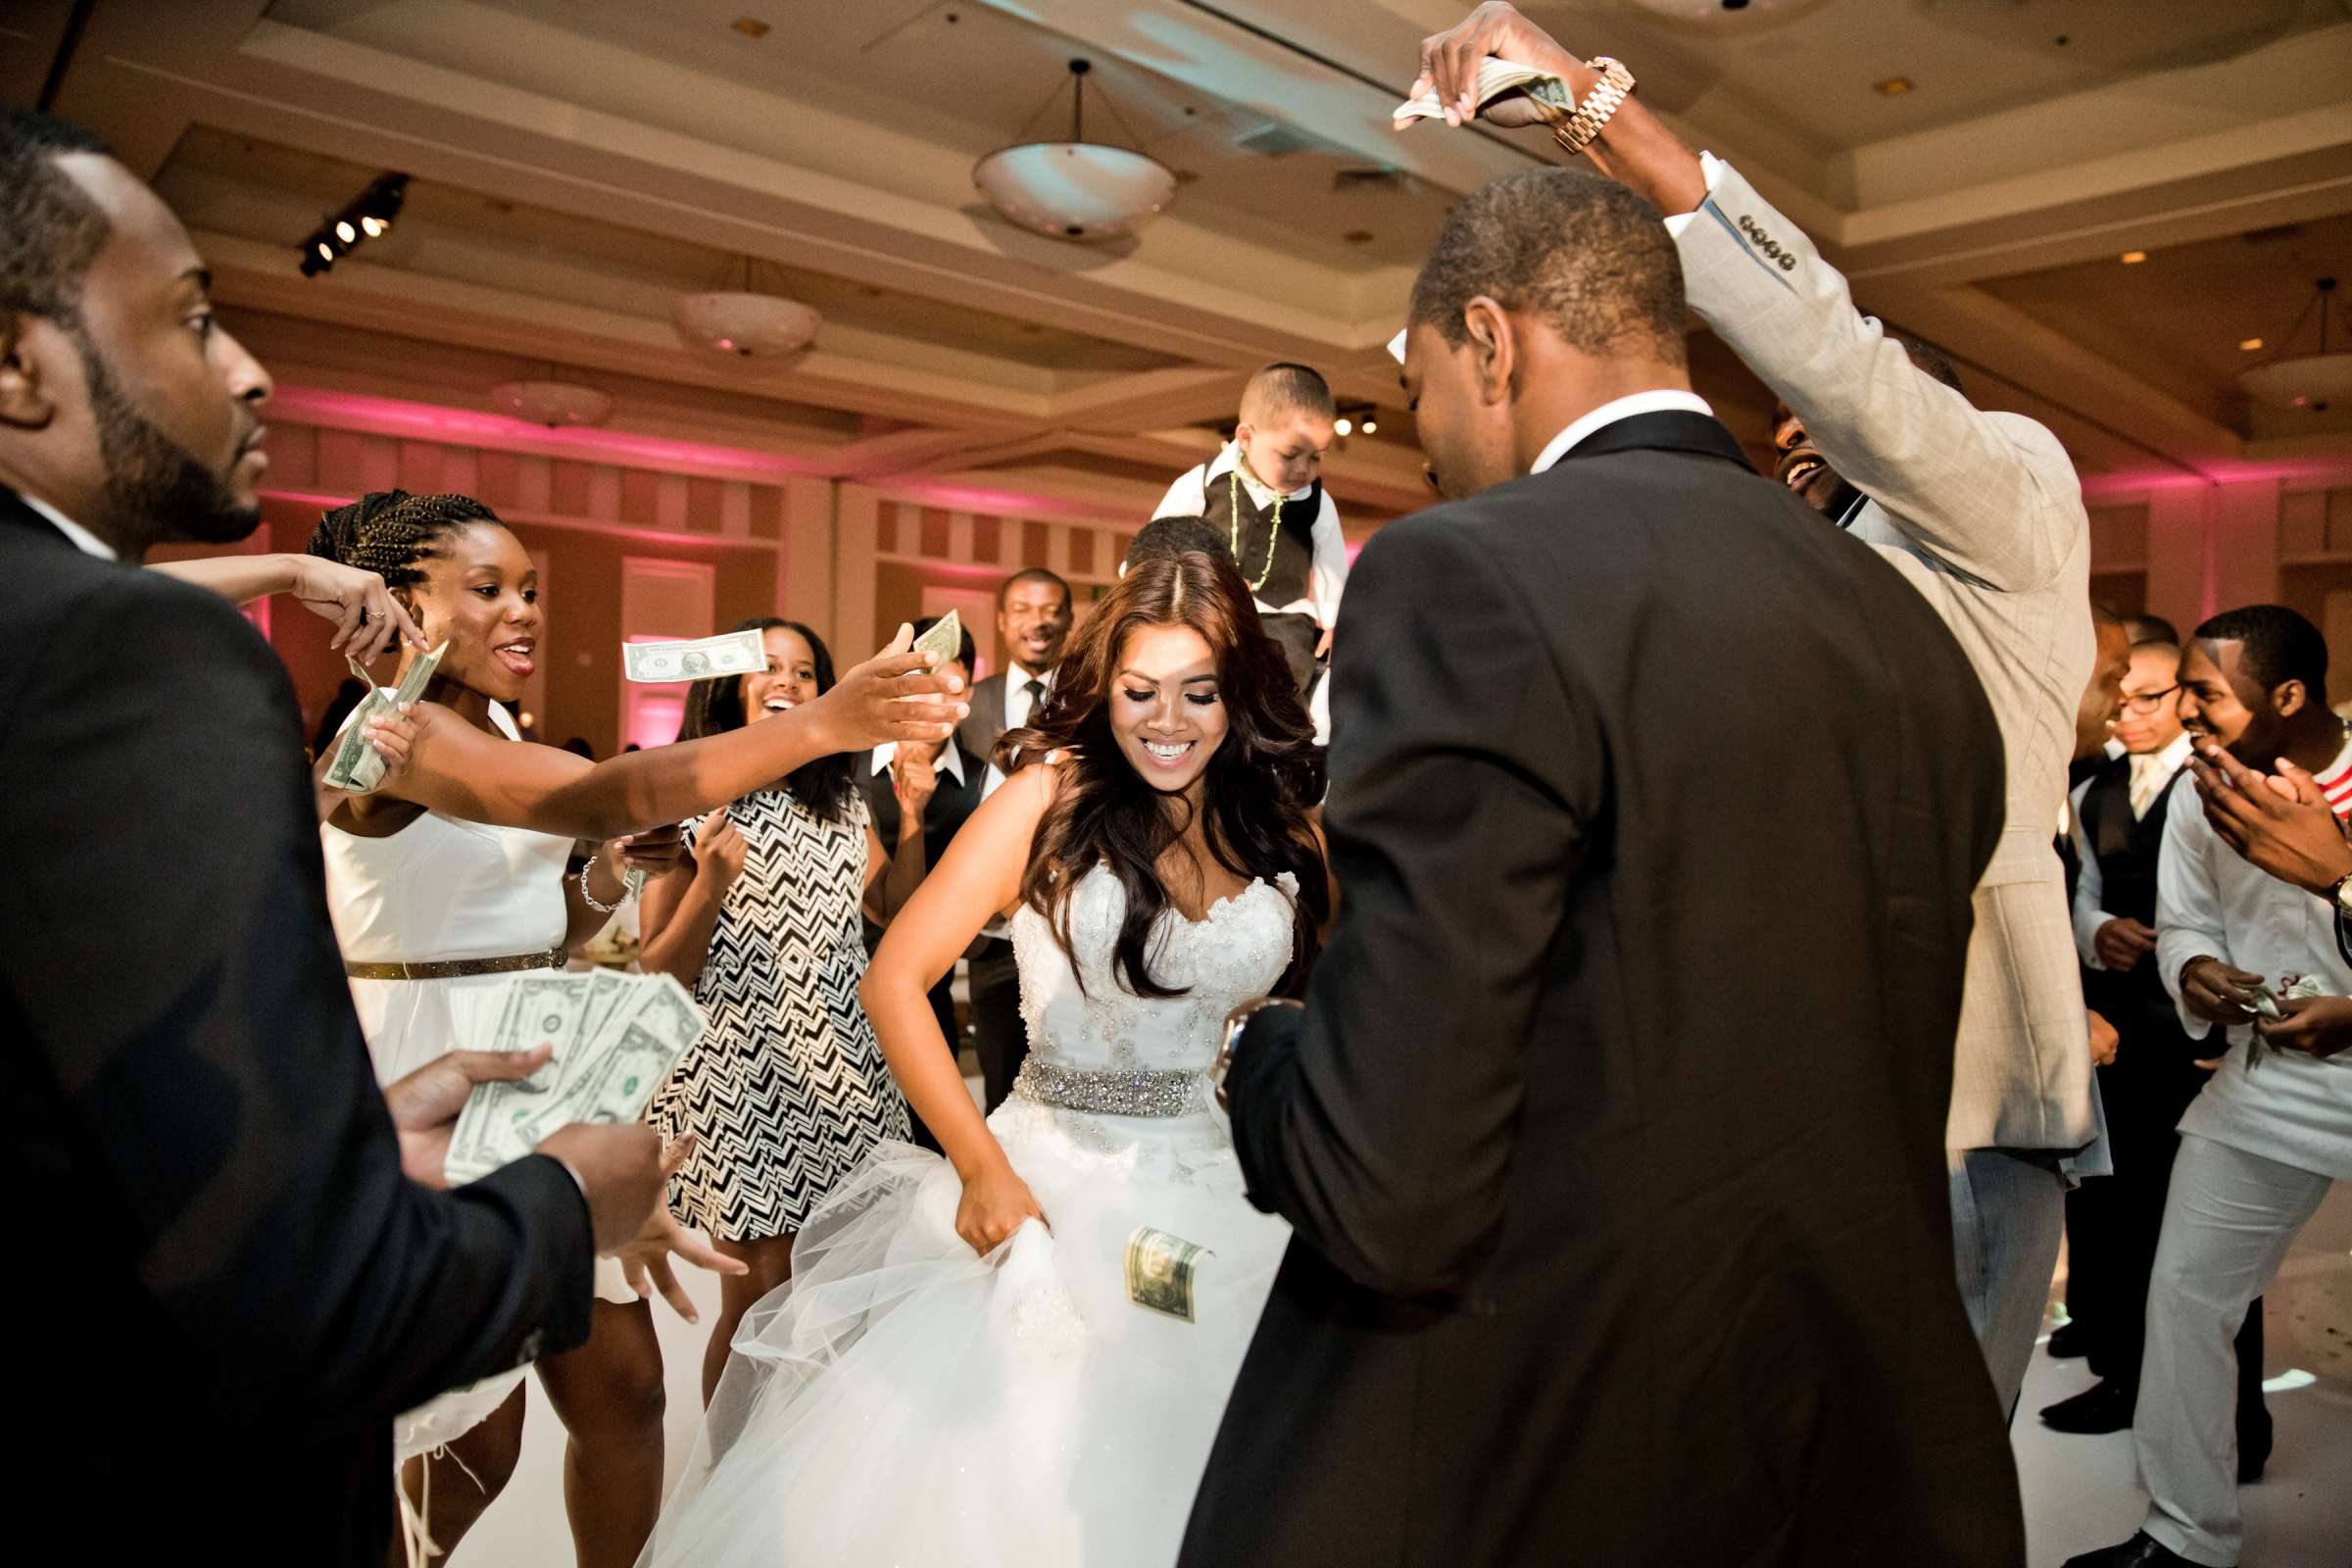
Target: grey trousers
(2008, 1211)
(2229, 1219)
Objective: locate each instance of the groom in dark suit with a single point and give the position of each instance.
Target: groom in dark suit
(1612, 1126)
(258, 1280)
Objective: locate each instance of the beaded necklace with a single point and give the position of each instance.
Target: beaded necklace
(1273, 528)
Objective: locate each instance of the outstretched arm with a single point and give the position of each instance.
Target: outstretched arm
(1462, 775)
(458, 769)
(1993, 495)
(368, 620)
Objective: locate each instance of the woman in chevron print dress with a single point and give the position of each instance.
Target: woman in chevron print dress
(786, 1089)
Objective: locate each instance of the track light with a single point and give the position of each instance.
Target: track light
(368, 216)
(1344, 426)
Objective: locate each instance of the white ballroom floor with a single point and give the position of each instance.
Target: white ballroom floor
(2080, 1492)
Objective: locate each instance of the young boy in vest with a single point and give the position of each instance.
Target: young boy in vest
(1263, 491)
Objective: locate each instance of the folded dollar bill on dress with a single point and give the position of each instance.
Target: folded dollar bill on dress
(1496, 77)
(1160, 1269)
(359, 767)
(615, 1038)
(734, 653)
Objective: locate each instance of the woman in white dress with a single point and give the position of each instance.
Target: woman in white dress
(450, 878)
(957, 1373)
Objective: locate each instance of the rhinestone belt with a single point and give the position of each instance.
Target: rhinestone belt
(1132, 1093)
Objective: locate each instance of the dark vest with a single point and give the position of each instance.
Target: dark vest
(951, 805)
(1292, 549)
(2126, 851)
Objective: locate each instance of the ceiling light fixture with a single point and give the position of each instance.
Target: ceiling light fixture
(744, 322)
(367, 217)
(2313, 379)
(2133, 258)
(2251, 345)
(1343, 425)
(1892, 87)
(544, 400)
(751, 26)
(1370, 427)
(1076, 190)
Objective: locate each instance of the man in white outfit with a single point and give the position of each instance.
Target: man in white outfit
(1983, 514)
(2271, 1133)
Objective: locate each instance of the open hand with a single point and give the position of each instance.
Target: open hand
(424, 1104)
(2217, 992)
(995, 1202)
(368, 620)
(645, 1260)
(2122, 943)
(2281, 824)
(1450, 62)
(2318, 1026)
(893, 696)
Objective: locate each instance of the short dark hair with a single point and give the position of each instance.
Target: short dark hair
(1929, 359)
(964, 653)
(715, 707)
(1034, 575)
(2150, 629)
(1573, 247)
(1285, 387)
(2281, 645)
(1176, 536)
(52, 231)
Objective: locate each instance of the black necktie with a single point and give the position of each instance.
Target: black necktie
(1037, 694)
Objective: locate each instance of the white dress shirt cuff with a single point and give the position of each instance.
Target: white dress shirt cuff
(1710, 166)
(2086, 936)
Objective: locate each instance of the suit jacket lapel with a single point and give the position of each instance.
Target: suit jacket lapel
(1666, 430)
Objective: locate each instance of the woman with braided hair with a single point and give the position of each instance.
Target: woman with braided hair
(452, 874)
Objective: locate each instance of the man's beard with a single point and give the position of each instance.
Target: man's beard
(156, 490)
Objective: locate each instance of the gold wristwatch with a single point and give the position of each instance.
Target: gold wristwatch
(1591, 117)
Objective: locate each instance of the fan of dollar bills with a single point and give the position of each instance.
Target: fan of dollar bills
(615, 1038)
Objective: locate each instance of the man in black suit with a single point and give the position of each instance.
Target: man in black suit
(1033, 620)
(259, 1287)
(1612, 1125)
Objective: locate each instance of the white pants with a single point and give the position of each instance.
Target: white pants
(2229, 1218)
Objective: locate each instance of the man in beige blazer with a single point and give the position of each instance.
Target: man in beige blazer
(1982, 512)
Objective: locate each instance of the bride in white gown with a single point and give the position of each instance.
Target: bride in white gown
(956, 1373)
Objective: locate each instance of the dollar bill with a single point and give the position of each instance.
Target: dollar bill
(540, 1008)
(357, 767)
(734, 653)
(2268, 995)
(944, 638)
(1159, 1271)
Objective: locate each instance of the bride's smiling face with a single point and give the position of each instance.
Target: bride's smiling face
(1165, 708)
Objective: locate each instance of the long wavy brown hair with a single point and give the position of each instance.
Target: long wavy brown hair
(1257, 786)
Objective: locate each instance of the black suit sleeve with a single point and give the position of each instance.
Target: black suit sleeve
(174, 979)
(1381, 1121)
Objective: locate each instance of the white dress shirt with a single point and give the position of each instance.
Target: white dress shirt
(1327, 576)
(2290, 1107)
(88, 543)
(950, 759)
(1624, 408)
(2150, 774)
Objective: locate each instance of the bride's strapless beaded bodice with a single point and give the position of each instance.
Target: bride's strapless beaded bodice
(1235, 952)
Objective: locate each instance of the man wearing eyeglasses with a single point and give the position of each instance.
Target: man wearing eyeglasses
(2111, 1223)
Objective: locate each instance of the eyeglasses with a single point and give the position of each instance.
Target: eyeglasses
(2148, 702)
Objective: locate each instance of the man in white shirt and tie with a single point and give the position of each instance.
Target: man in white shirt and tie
(1034, 613)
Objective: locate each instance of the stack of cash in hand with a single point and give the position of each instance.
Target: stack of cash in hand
(2266, 997)
(359, 767)
(615, 1037)
(1495, 77)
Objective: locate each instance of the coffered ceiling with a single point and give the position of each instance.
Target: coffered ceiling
(577, 164)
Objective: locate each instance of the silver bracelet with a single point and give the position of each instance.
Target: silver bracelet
(589, 899)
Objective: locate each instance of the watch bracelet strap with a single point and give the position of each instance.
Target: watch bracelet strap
(1591, 117)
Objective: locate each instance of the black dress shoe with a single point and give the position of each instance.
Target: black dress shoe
(2140, 1552)
(2253, 1451)
(2101, 1407)
(2068, 1341)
